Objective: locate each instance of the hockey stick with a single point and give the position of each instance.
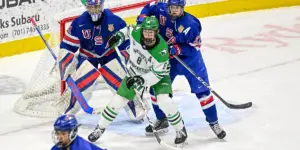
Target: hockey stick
(229, 105)
(84, 105)
(159, 140)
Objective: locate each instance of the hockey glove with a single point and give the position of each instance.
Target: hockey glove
(135, 82)
(140, 18)
(174, 50)
(115, 40)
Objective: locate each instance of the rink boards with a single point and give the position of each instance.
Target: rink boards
(201, 10)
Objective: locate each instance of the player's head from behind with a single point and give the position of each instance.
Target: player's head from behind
(65, 130)
(94, 8)
(176, 8)
(150, 29)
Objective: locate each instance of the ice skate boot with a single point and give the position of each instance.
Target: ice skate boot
(161, 126)
(96, 134)
(218, 130)
(181, 137)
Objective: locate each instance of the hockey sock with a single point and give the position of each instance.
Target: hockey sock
(208, 106)
(158, 112)
(111, 111)
(167, 105)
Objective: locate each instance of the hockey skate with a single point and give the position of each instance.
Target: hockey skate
(96, 134)
(218, 130)
(161, 126)
(181, 137)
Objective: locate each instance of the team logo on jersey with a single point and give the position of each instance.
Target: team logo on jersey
(86, 34)
(162, 20)
(111, 27)
(163, 52)
(98, 40)
(180, 29)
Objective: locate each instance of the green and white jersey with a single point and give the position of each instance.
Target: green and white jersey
(152, 64)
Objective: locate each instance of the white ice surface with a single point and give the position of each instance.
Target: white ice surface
(241, 69)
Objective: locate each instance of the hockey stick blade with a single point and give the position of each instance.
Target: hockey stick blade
(162, 143)
(232, 106)
(239, 106)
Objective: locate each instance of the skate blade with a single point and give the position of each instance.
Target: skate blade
(160, 132)
(182, 144)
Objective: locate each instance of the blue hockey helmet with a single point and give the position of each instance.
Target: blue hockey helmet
(94, 8)
(176, 2)
(65, 124)
(176, 8)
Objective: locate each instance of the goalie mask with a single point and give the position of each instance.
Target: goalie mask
(94, 8)
(175, 8)
(149, 31)
(65, 130)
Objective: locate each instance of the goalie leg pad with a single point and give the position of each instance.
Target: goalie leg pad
(140, 111)
(84, 77)
(112, 79)
(111, 111)
(167, 105)
(65, 59)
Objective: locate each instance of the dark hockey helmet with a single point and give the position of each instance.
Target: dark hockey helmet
(65, 130)
(150, 29)
(176, 8)
(94, 8)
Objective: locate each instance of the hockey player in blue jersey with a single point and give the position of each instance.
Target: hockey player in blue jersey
(65, 135)
(182, 31)
(89, 34)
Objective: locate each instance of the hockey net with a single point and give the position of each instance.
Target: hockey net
(43, 91)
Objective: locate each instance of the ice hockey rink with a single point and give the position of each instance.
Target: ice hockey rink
(250, 56)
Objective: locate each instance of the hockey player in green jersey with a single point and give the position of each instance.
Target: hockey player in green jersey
(148, 66)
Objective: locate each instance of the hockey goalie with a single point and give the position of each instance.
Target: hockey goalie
(84, 56)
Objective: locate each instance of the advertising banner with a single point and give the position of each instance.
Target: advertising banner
(15, 14)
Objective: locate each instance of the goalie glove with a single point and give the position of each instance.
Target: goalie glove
(135, 82)
(116, 40)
